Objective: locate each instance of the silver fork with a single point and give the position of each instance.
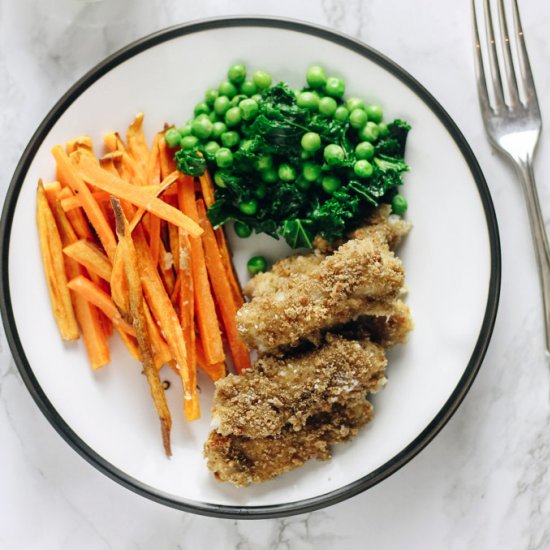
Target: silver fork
(513, 122)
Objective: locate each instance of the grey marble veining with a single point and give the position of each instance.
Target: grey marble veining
(483, 483)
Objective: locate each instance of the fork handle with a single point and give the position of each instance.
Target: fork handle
(540, 240)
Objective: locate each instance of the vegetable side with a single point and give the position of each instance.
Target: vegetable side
(292, 164)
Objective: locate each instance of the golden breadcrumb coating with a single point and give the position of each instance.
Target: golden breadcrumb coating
(342, 286)
(321, 323)
(282, 412)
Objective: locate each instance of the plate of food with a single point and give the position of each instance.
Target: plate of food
(250, 267)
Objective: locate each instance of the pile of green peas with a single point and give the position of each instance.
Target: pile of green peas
(218, 120)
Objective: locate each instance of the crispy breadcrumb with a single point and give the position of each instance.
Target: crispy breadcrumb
(282, 412)
(320, 323)
(339, 288)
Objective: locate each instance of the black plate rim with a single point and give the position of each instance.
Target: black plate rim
(284, 509)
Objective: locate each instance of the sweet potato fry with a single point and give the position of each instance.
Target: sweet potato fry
(113, 142)
(128, 253)
(84, 143)
(119, 285)
(96, 296)
(54, 268)
(52, 189)
(205, 310)
(92, 173)
(153, 162)
(167, 182)
(223, 292)
(161, 351)
(68, 173)
(91, 257)
(164, 313)
(166, 157)
(137, 146)
(186, 298)
(91, 321)
(207, 188)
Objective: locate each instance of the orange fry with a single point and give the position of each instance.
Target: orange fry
(128, 253)
(163, 311)
(90, 319)
(205, 309)
(91, 172)
(137, 146)
(54, 267)
(96, 296)
(223, 292)
(68, 173)
(91, 257)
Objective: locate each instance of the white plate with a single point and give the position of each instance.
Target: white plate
(452, 260)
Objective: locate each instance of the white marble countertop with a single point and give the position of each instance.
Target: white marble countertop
(483, 483)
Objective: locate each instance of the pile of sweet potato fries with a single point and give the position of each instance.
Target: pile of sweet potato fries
(126, 245)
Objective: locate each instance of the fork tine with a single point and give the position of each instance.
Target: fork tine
(483, 94)
(507, 57)
(493, 58)
(525, 68)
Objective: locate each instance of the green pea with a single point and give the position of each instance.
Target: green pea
(383, 130)
(230, 139)
(201, 108)
(260, 191)
(364, 150)
(358, 118)
(374, 112)
(330, 184)
(311, 171)
(246, 145)
(210, 96)
(249, 109)
(227, 88)
(369, 132)
(221, 105)
(355, 103)
(327, 106)
(242, 230)
(335, 87)
(185, 130)
(237, 99)
(270, 176)
(341, 114)
(213, 117)
(237, 73)
(189, 142)
(249, 207)
(286, 172)
(308, 100)
(311, 142)
(233, 116)
(257, 98)
(363, 169)
(224, 157)
(211, 147)
(262, 79)
(333, 154)
(172, 137)
(202, 128)
(316, 77)
(218, 128)
(256, 264)
(265, 162)
(218, 179)
(399, 204)
(248, 88)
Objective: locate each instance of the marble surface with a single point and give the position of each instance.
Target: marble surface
(483, 483)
